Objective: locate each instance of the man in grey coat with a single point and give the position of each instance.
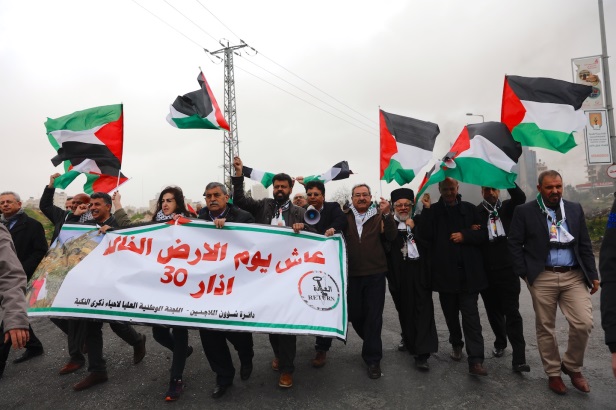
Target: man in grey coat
(12, 299)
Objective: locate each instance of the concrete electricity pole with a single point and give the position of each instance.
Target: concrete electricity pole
(606, 80)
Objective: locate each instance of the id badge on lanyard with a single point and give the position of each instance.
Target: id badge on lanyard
(553, 232)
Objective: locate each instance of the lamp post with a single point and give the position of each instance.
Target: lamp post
(470, 114)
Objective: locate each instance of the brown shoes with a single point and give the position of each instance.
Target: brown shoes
(477, 369)
(275, 364)
(578, 381)
(285, 380)
(319, 360)
(92, 379)
(70, 367)
(555, 383)
(139, 351)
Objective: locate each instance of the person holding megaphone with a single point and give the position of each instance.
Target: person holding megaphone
(326, 218)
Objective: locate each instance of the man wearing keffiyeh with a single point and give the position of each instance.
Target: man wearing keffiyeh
(501, 298)
(551, 250)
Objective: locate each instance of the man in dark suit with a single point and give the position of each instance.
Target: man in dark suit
(31, 245)
(551, 250)
(214, 342)
(502, 296)
(331, 220)
(607, 266)
(278, 211)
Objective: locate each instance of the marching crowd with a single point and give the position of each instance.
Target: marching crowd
(454, 248)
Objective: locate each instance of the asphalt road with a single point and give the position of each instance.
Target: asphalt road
(342, 383)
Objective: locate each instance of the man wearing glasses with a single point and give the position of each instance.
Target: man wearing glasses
(367, 270)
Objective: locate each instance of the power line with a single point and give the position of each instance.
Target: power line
(304, 91)
(196, 25)
(307, 102)
(219, 20)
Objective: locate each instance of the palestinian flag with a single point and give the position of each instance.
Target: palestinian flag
(543, 112)
(406, 146)
(198, 109)
(265, 178)
(89, 142)
(337, 172)
(484, 154)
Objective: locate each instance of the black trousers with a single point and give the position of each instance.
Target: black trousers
(284, 347)
(94, 341)
(322, 344)
(366, 299)
(217, 352)
(466, 303)
(176, 340)
(75, 331)
(502, 302)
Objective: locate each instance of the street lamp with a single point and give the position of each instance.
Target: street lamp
(470, 114)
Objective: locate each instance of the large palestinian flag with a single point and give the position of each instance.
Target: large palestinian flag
(484, 154)
(543, 112)
(197, 109)
(406, 146)
(89, 142)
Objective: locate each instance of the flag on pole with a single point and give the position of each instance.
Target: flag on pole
(484, 154)
(337, 172)
(89, 142)
(543, 112)
(406, 146)
(197, 109)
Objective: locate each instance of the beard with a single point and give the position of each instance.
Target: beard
(281, 198)
(402, 218)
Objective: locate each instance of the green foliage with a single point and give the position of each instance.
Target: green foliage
(38, 215)
(596, 227)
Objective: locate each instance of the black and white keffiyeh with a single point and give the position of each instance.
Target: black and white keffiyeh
(558, 233)
(409, 248)
(278, 219)
(495, 225)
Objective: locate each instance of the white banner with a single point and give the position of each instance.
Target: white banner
(588, 71)
(244, 277)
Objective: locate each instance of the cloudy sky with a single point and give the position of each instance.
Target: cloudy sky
(432, 60)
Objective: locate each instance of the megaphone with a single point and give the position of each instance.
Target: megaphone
(312, 215)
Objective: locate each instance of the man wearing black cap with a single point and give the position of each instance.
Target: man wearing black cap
(408, 279)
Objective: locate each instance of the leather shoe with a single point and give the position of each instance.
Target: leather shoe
(498, 352)
(139, 350)
(27, 355)
(578, 381)
(555, 383)
(477, 369)
(319, 360)
(285, 380)
(245, 371)
(422, 363)
(374, 371)
(219, 391)
(519, 368)
(92, 379)
(70, 367)
(275, 364)
(456, 353)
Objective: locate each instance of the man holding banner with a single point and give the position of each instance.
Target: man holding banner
(277, 211)
(214, 342)
(100, 207)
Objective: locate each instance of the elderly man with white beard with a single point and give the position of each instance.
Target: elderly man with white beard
(408, 278)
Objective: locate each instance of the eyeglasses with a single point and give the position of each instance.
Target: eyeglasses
(210, 196)
(8, 202)
(363, 195)
(403, 205)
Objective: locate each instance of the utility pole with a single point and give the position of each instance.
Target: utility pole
(606, 80)
(231, 144)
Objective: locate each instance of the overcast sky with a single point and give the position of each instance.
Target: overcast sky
(431, 60)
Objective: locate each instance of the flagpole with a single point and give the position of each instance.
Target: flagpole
(118, 183)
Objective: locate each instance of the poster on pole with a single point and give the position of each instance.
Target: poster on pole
(598, 147)
(588, 71)
(244, 277)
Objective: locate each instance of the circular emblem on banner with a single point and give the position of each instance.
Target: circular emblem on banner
(319, 290)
